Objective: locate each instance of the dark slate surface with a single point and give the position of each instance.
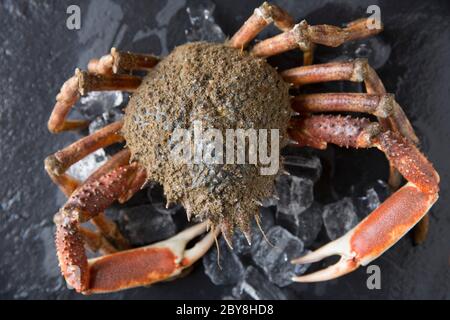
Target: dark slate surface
(37, 52)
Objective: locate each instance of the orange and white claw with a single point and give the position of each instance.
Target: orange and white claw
(372, 236)
(146, 265)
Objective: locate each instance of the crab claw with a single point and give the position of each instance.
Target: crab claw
(374, 235)
(146, 265)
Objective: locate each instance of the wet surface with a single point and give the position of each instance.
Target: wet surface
(38, 53)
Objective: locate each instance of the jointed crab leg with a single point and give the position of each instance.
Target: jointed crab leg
(96, 242)
(303, 35)
(121, 158)
(80, 84)
(109, 232)
(101, 76)
(136, 184)
(85, 203)
(89, 82)
(397, 122)
(357, 70)
(118, 62)
(66, 183)
(373, 236)
(108, 228)
(67, 97)
(125, 269)
(333, 71)
(361, 133)
(261, 18)
(392, 219)
(378, 105)
(59, 162)
(146, 265)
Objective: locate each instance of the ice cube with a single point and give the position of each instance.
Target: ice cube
(295, 193)
(270, 202)
(228, 270)
(104, 119)
(372, 198)
(375, 49)
(303, 165)
(339, 218)
(143, 225)
(275, 257)
(255, 286)
(86, 166)
(203, 26)
(305, 225)
(98, 102)
(155, 194)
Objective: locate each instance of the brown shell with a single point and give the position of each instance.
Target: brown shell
(222, 88)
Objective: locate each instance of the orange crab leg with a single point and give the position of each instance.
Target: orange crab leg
(67, 97)
(136, 184)
(378, 105)
(89, 82)
(150, 264)
(332, 71)
(261, 18)
(101, 76)
(108, 230)
(96, 242)
(395, 217)
(110, 273)
(373, 236)
(86, 202)
(118, 62)
(119, 159)
(80, 84)
(66, 183)
(59, 162)
(357, 70)
(303, 35)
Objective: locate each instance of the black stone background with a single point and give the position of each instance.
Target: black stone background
(38, 52)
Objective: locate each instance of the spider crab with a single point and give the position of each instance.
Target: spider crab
(127, 172)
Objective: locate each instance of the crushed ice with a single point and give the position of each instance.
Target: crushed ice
(86, 166)
(203, 26)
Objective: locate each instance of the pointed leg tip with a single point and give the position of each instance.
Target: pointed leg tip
(230, 245)
(308, 258)
(299, 279)
(297, 261)
(248, 238)
(332, 272)
(307, 279)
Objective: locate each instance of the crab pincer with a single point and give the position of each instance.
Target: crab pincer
(125, 269)
(394, 217)
(146, 265)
